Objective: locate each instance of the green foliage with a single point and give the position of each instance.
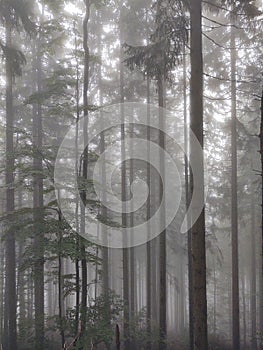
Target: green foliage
(138, 330)
(56, 85)
(166, 43)
(15, 58)
(26, 333)
(102, 314)
(18, 13)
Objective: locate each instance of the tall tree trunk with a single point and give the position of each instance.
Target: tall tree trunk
(11, 298)
(77, 269)
(261, 154)
(126, 284)
(104, 211)
(253, 287)
(132, 249)
(149, 212)
(148, 217)
(38, 211)
(198, 229)
(125, 251)
(187, 202)
(84, 270)
(234, 210)
(162, 242)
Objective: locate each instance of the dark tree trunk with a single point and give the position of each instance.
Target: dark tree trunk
(234, 210)
(117, 337)
(148, 216)
(187, 202)
(38, 211)
(125, 252)
(60, 285)
(261, 153)
(244, 311)
(198, 229)
(215, 295)
(162, 251)
(77, 270)
(11, 298)
(2, 291)
(253, 287)
(21, 286)
(84, 269)
(132, 249)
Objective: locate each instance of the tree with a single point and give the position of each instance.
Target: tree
(12, 14)
(84, 291)
(261, 154)
(10, 200)
(156, 60)
(198, 228)
(234, 210)
(124, 221)
(38, 206)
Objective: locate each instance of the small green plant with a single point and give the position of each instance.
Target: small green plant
(101, 317)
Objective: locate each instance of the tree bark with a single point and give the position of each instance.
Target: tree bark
(234, 209)
(261, 154)
(148, 217)
(198, 228)
(38, 210)
(11, 298)
(187, 202)
(253, 287)
(77, 269)
(162, 242)
(117, 337)
(60, 284)
(84, 270)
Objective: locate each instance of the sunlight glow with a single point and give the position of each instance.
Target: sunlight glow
(70, 8)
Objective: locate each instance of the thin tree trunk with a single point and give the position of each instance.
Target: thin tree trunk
(60, 285)
(187, 202)
(253, 287)
(104, 211)
(261, 284)
(244, 311)
(77, 299)
(11, 298)
(21, 278)
(162, 242)
(117, 337)
(215, 294)
(149, 212)
(2, 290)
(38, 211)
(234, 210)
(21, 293)
(84, 270)
(148, 217)
(198, 228)
(125, 251)
(132, 249)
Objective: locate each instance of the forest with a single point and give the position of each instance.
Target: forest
(131, 166)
